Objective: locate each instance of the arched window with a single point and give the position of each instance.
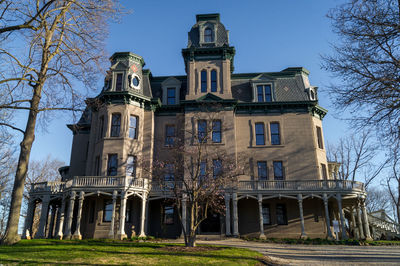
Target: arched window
(203, 81)
(208, 35)
(213, 81)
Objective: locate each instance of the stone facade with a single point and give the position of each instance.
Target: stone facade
(270, 123)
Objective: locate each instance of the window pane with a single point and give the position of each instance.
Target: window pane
(268, 97)
(260, 139)
(260, 93)
(203, 169)
(112, 165)
(323, 169)
(169, 172)
(203, 81)
(217, 168)
(169, 135)
(132, 127)
(168, 215)
(202, 131)
(118, 85)
(216, 132)
(131, 166)
(319, 138)
(213, 81)
(171, 95)
(278, 170)
(208, 36)
(281, 214)
(275, 135)
(266, 214)
(107, 211)
(115, 125)
(262, 170)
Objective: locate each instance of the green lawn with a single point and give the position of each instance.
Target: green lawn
(46, 251)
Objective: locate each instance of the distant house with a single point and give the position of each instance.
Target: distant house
(272, 119)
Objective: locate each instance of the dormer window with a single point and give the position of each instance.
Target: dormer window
(264, 93)
(208, 35)
(171, 96)
(118, 83)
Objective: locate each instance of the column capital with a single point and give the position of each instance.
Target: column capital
(72, 194)
(124, 194)
(299, 197)
(81, 195)
(260, 199)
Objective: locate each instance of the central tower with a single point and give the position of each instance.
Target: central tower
(208, 58)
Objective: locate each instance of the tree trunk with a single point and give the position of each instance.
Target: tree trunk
(11, 235)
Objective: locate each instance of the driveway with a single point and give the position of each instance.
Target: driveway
(318, 255)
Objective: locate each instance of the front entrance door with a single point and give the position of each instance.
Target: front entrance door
(211, 225)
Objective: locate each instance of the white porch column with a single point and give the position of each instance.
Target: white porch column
(354, 224)
(143, 216)
(184, 215)
(27, 233)
(50, 234)
(261, 218)
(114, 203)
(77, 234)
(327, 219)
(70, 214)
(122, 214)
(300, 201)
(227, 214)
(342, 222)
(359, 222)
(41, 233)
(61, 214)
(365, 221)
(235, 215)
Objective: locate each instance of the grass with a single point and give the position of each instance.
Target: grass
(106, 252)
(321, 241)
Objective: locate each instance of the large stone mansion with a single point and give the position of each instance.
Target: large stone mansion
(271, 119)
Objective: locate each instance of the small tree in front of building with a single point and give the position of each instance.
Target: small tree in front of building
(197, 172)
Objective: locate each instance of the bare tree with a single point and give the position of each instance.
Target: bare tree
(393, 183)
(357, 155)
(378, 199)
(46, 46)
(367, 62)
(196, 174)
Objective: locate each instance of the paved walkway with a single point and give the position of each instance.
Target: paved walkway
(318, 255)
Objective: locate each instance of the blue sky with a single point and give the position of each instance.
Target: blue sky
(268, 36)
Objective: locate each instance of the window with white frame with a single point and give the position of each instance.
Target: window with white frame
(131, 166)
(133, 124)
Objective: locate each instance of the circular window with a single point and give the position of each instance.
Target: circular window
(135, 81)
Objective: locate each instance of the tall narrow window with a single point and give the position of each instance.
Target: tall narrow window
(203, 81)
(262, 170)
(101, 128)
(203, 170)
(208, 35)
(112, 165)
(107, 211)
(168, 215)
(131, 166)
(278, 170)
(319, 138)
(324, 173)
(266, 214)
(217, 168)
(281, 217)
(275, 134)
(92, 211)
(169, 174)
(133, 123)
(169, 135)
(97, 166)
(216, 131)
(202, 131)
(171, 97)
(118, 84)
(115, 125)
(260, 93)
(213, 81)
(267, 91)
(260, 137)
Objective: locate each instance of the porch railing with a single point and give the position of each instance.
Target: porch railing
(245, 186)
